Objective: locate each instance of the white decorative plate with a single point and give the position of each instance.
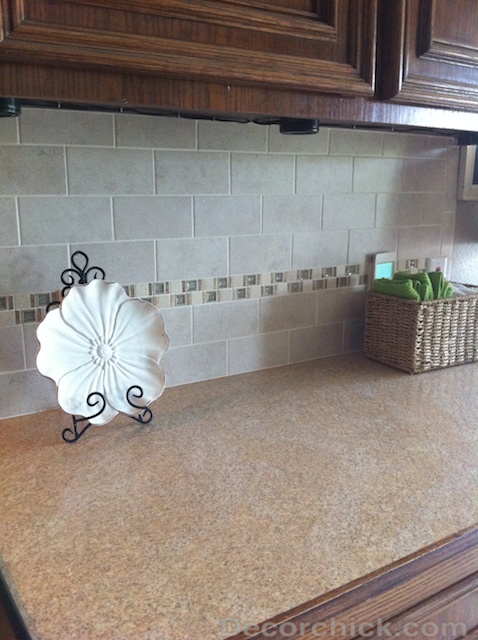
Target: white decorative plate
(102, 341)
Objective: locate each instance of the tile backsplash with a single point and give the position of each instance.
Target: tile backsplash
(254, 245)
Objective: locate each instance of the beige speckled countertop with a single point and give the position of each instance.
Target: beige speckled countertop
(244, 497)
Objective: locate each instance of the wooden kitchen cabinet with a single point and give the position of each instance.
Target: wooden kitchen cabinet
(405, 63)
(428, 52)
(325, 45)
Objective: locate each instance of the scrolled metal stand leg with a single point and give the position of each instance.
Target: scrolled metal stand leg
(73, 435)
(146, 414)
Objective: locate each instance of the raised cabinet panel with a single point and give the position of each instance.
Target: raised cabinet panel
(428, 52)
(323, 45)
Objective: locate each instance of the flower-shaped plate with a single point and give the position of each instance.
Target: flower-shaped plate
(101, 341)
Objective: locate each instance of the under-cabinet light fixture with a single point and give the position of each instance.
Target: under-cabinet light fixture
(9, 107)
(298, 126)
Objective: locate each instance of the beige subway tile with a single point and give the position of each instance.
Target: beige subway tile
(155, 132)
(438, 146)
(348, 211)
(143, 217)
(291, 213)
(363, 243)
(22, 301)
(261, 173)
(348, 142)
(178, 325)
(419, 242)
(11, 349)
(109, 171)
(123, 262)
(405, 145)
(31, 344)
(377, 175)
(9, 130)
(191, 172)
(407, 209)
(32, 269)
(23, 392)
(8, 218)
(231, 136)
(464, 264)
(316, 342)
(62, 219)
(252, 353)
(335, 305)
(287, 312)
(353, 335)
(325, 248)
(255, 254)
(451, 183)
(324, 175)
(183, 365)
(422, 174)
(225, 320)
(317, 143)
(7, 318)
(447, 241)
(184, 258)
(227, 215)
(58, 126)
(26, 170)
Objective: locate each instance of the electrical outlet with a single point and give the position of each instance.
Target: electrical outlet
(436, 264)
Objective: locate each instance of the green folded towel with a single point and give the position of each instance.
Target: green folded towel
(415, 286)
(421, 282)
(398, 288)
(441, 287)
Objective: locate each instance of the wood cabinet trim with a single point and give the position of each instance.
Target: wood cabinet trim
(12, 14)
(178, 59)
(417, 66)
(258, 16)
(348, 72)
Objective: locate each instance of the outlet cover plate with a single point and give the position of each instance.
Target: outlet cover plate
(436, 264)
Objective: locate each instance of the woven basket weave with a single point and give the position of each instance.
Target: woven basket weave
(421, 336)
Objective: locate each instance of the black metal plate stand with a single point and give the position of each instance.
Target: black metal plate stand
(80, 273)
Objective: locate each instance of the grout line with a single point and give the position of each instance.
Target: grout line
(65, 164)
(24, 347)
(114, 131)
(193, 217)
(261, 215)
(154, 172)
(17, 218)
(112, 219)
(155, 258)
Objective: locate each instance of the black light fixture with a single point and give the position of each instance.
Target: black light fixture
(467, 139)
(9, 107)
(297, 126)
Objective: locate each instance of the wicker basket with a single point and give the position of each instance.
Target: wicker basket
(421, 336)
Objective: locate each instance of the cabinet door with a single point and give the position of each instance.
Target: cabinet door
(428, 52)
(317, 45)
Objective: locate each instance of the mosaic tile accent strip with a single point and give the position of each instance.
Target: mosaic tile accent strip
(31, 307)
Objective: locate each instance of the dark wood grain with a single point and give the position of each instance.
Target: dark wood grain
(428, 52)
(278, 46)
(117, 90)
